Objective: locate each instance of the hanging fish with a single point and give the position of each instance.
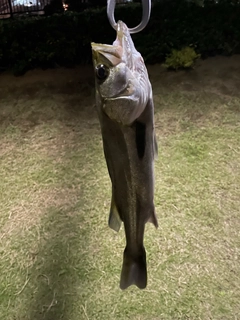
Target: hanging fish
(126, 113)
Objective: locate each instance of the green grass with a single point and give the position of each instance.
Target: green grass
(59, 259)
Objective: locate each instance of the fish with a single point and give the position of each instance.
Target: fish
(125, 108)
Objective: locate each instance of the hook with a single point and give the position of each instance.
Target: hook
(146, 6)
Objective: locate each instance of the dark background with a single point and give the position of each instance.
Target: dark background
(63, 38)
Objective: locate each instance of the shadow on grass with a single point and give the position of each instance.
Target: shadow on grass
(58, 272)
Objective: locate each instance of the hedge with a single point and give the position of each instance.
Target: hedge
(64, 39)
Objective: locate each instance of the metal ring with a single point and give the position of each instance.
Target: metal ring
(146, 10)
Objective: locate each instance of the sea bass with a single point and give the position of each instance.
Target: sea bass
(126, 113)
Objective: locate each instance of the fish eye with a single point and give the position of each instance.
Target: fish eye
(102, 72)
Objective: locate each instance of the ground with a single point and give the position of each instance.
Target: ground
(59, 259)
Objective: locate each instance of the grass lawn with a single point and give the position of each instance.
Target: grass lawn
(58, 258)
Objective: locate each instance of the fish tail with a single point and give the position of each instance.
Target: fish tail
(134, 269)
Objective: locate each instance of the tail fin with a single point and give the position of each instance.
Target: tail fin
(134, 269)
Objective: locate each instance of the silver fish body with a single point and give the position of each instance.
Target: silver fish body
(126, 113)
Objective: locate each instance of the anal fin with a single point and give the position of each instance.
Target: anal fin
(114, 220)
(153, 218)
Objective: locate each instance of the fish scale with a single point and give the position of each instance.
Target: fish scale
(126, 114)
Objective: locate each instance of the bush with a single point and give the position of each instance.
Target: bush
(184, 58)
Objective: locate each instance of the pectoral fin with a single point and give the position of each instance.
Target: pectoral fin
(114, 220)
(140, 138)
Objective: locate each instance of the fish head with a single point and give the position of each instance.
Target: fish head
(121, 76)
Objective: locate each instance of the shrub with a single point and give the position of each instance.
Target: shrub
(184, 58)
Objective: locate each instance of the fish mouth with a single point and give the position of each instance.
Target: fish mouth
(120, 51)
(106, 53)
